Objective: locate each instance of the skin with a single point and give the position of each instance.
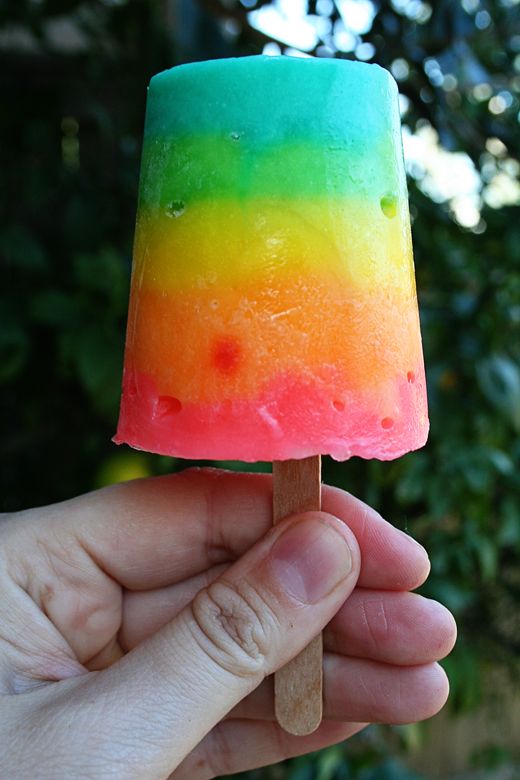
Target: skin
(139, 625)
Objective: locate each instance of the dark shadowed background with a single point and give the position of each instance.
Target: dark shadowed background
(73, 75)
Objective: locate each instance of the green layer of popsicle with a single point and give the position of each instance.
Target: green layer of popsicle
(229, 132)
(200, 168)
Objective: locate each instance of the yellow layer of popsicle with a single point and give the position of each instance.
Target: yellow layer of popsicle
(219, 244)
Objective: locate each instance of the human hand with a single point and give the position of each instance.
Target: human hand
(138, 624)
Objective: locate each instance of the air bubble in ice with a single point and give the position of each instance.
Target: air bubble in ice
(167, 405)
(388, 205)
(175, 209)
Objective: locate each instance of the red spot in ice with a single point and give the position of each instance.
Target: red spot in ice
(226, 354)
(387, 422)
(338, 405)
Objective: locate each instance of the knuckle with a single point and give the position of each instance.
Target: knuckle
(234, 626)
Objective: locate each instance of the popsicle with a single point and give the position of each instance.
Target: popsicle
(273, 312)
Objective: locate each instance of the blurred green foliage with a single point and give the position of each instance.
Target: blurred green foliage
(74, 76)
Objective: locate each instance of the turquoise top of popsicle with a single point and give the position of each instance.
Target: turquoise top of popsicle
(337, 136)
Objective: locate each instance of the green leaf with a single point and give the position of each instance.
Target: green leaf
(97, 356)
(55, 308)
(14, 350)
(499, 379)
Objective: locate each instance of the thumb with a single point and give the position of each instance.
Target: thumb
(165, 695)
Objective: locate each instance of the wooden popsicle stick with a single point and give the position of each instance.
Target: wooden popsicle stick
(298, 686)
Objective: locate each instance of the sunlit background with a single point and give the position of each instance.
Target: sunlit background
(74, 76)
(447, 176)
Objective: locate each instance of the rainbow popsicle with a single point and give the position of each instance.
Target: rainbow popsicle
(273, 312)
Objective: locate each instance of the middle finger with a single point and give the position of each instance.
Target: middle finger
(387, 626)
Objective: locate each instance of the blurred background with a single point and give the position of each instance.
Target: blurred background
(73, 75)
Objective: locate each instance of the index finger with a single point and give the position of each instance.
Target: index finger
(154, 532)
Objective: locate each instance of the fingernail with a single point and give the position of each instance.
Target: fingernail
(311, 558)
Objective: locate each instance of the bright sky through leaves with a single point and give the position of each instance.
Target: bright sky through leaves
(445, 176)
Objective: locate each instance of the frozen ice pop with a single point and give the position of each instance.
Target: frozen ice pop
(273, 312)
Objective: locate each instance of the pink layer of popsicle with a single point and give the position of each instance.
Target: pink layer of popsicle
(291, 419)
